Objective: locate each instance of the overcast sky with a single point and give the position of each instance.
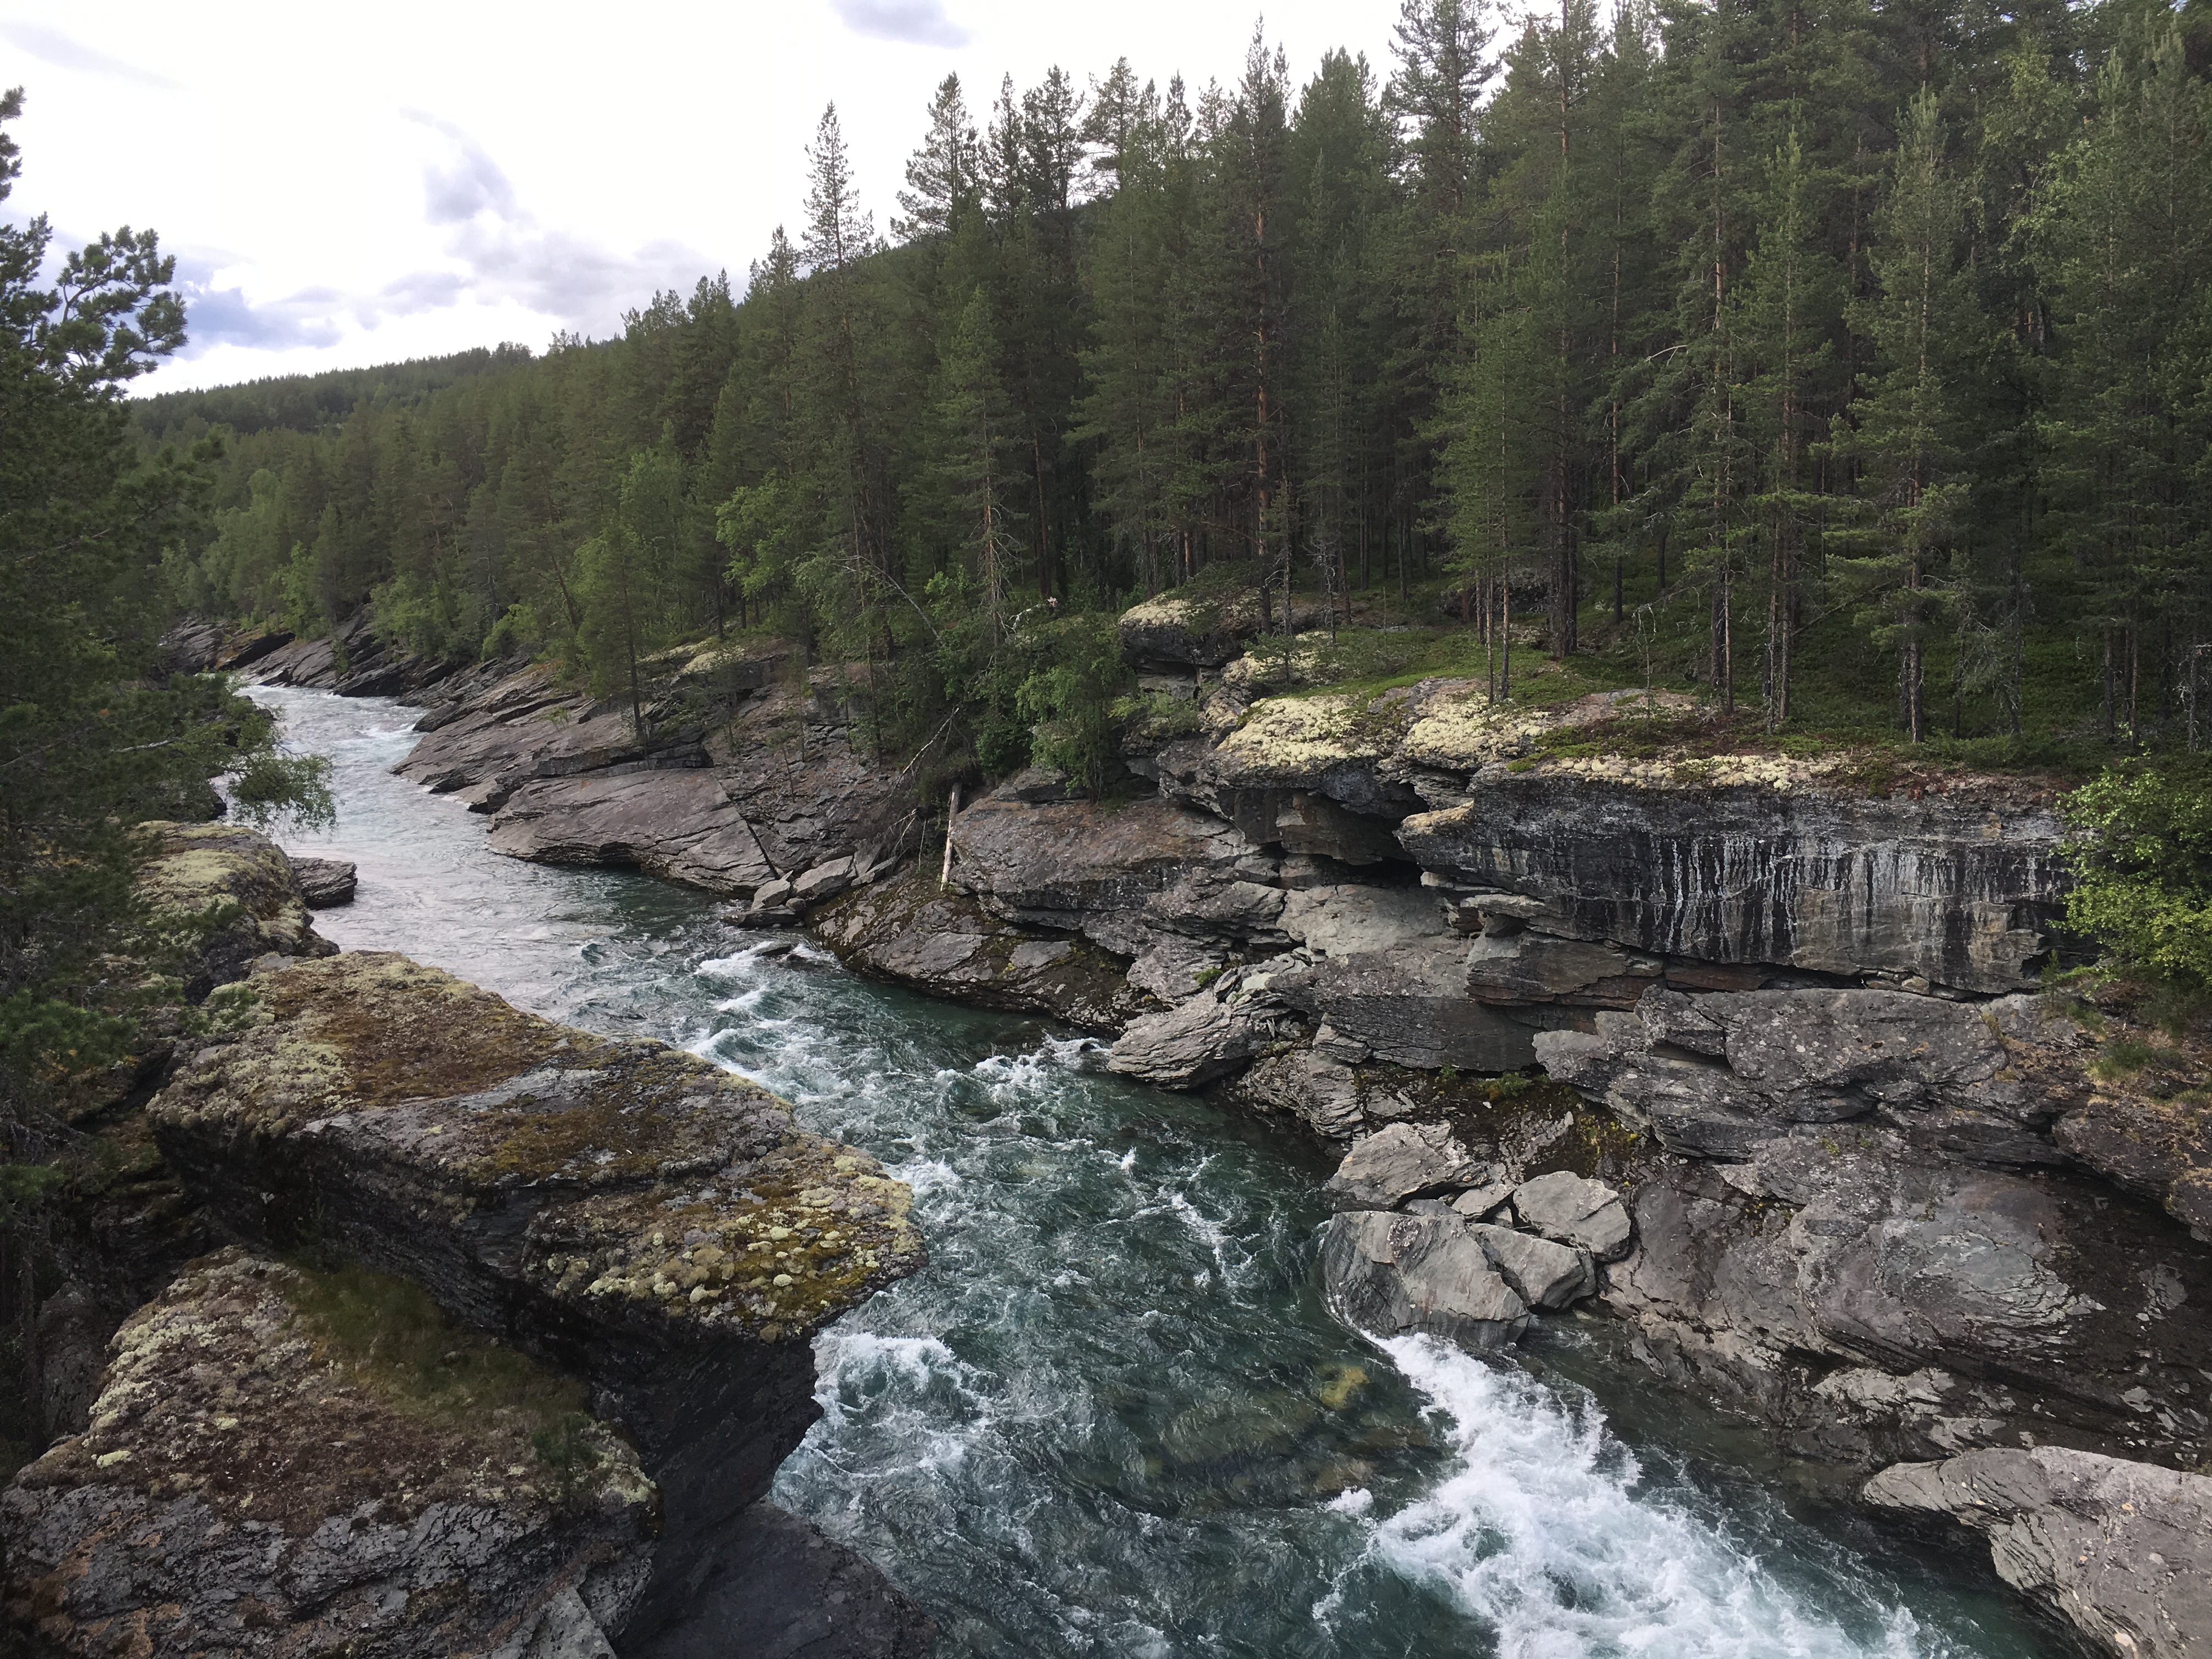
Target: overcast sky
(346, 185)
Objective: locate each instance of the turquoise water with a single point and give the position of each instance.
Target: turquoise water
(1113, 1417)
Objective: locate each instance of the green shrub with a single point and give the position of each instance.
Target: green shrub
(2140, 852)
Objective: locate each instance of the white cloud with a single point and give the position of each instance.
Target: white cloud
(53, 47)
(917, 22)
(351, 194)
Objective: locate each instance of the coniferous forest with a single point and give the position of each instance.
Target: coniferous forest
(1848, 362)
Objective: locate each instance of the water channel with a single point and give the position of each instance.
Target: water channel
(1113, 1417)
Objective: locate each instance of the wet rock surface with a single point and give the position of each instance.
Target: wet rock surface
(940, 942)
(1388, 1274)
(2121, 1551)
(777, 1588)
(243, 1489)
(622, 1212)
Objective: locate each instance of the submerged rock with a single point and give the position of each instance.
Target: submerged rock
(622, 1211)
(252, 1485)
(2121, 1551)
(1388, 1274)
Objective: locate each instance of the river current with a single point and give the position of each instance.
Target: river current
(1113, 1416)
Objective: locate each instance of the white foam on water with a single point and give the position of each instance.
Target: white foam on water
(1540, 1532)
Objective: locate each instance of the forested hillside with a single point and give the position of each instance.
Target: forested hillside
(1850, 362)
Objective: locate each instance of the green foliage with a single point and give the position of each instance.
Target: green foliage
(2141, 857)
(1846, 364)
(95, 737)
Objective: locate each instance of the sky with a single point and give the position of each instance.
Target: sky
(347, 186)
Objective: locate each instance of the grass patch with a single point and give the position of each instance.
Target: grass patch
(399, 1344)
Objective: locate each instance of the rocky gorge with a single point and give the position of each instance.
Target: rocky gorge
(1743, 1055)
(430, 1326)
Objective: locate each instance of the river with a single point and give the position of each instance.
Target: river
(1113, 1416)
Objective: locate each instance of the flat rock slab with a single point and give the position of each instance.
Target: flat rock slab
(676, 822)
(622, 1209)
(1403, 1161)
(242, 1491)
(1388, 1274)
(1574, 1210)
(2121, 1551)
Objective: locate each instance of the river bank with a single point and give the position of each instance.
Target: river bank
(1114, 1415)
(1339, 913)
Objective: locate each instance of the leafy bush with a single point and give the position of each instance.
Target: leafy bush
(2141, 856)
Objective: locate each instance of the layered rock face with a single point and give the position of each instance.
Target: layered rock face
(242, 1490)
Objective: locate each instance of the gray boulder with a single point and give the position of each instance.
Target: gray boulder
(324, 883)
(1574, 1210)
(1308, 1085)
(1403, 1161)
(825, 881)
(1208, 1037)
(1542, 1273)
(2121, 1551)
(1387, 1274)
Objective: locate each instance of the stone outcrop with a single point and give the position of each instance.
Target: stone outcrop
(252, 1485)
(744, 772)
(1874, 1303)
(1715, 1076)
(2121, 1551)
(621, 1211)
(940, 941)
(1391, 1274)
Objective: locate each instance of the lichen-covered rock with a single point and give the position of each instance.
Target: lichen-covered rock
(247, 1488)
(233, 888)
(325, 882)
(1574, 1210)
(1388, 1274)
(622, 1209)
(941, 942)
(2121, 1551)
(1403, 1161)
(1715, 1075)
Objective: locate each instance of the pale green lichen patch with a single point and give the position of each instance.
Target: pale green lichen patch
(238, 1387)
(812, 1231)
(1291, 739)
